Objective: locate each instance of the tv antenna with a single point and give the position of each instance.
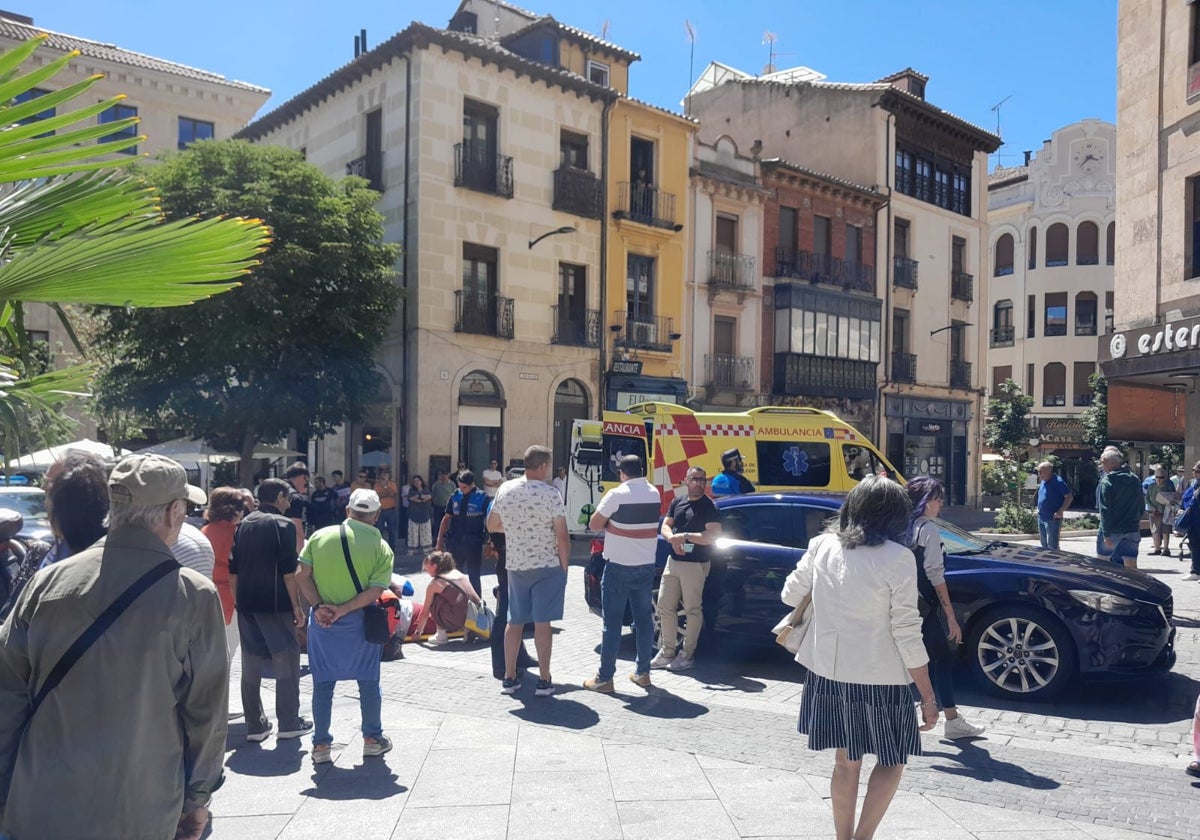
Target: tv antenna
(691, 33)
(996, 109)
(604, 30)
(769, 38)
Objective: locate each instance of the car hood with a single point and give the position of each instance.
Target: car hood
(1073, 571)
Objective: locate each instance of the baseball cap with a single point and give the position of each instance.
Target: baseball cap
(150, 480)
(364, 501)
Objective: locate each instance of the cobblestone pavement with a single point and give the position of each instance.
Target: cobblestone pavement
(1107, 758)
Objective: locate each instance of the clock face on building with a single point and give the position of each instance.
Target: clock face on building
(1089, 156)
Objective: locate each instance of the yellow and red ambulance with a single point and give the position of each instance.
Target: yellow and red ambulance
(782, 448)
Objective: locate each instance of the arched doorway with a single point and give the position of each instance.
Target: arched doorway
(570, 404)
(480, 421)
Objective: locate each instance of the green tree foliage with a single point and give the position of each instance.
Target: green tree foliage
(292, 349)
(71, 232)
(1007, 425)
(1095, 416)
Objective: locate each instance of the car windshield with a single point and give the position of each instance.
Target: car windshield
(957, 541)
(29, 505)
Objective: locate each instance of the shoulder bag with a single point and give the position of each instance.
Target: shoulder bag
(375, 623)
(790, 632)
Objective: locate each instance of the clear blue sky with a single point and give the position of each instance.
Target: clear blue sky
(1056, 59)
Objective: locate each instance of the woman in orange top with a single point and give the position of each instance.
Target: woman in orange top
(226, 507)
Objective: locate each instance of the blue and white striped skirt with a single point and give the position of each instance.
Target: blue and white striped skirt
(861, 719)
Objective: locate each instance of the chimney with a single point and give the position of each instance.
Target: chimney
(357, 49)
(362, 38)
(1028, 155)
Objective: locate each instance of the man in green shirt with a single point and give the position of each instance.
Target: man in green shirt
(337, 646)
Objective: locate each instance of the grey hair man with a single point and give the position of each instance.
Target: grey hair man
(1121, 505)
(154, 681)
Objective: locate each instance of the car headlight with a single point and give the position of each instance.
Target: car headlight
(1105, 602)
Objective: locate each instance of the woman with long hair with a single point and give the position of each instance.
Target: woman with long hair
(927, 496)
(862, 649)
(226, 507)
(444, 610)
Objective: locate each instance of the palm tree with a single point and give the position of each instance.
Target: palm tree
(76, 228)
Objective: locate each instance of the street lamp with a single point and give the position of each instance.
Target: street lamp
(948, 327)
(555, 232)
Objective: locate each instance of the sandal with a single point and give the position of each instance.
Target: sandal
(1193, 769)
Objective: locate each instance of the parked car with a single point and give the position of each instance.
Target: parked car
(30, 502)
(1033, 619)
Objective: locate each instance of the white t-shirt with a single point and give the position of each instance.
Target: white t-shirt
(492, 475)
(528, 510)
(192, 550)
(633, 509)
(560, 484)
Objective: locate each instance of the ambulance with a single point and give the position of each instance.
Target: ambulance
(782, 448)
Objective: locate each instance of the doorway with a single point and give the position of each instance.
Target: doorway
(570, 404)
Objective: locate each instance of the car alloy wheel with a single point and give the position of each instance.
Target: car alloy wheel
(1022, 652)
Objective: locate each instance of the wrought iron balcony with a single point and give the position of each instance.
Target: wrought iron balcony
(1089, 259)
(824, 269)
(858, 277)
(1083, 400)
(1056, 329)
(729, 272)
(644, 332)
(904, 367)
(1054, 400)
(1003, 336)
(797, 374)
(960, 374)
(729, 373)
(645, 204)
(1085, 328)
(904, 273)
(369, 167)
(576, 327)
(477, 167)
(577, 191)
(483, 314)
(962, 287)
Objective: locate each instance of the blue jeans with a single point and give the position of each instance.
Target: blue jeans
(369, 702)
(1048, 532)
(623, 585)
(389, 521)
(1126, 545)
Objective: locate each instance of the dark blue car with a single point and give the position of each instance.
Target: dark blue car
(1033, 620)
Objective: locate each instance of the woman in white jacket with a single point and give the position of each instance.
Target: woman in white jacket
(862, 649)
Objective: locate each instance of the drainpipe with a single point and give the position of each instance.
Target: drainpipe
(886, 348)
(406, 363)
(601, 402)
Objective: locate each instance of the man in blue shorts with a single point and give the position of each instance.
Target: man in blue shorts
(533, 518)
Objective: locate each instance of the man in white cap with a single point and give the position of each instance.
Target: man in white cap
(337, 646)
(114, 678)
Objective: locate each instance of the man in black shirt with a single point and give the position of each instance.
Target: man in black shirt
(297, 476)
(262, 569)
(322, 505)
(691, 526)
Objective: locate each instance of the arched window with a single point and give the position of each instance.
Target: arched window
(480, 420)
(1032, 248)
(1002, 324)
(570, 404)
(1087, 244)
(1054, 384)
(1110, 244)
(1085, 313)
(1004, 256)
(1057, 237)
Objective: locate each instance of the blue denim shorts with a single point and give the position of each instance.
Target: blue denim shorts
(536, 594)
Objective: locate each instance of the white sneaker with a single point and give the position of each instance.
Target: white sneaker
(1191, 577)
(662, 660)
(439, 638)
(959, 727)
(681, 662)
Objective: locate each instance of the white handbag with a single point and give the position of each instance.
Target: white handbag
(790, 632)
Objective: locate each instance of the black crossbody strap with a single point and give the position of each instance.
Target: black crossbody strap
(106, 619)
(349, 562)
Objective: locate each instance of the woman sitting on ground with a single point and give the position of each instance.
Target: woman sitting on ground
(446, 597)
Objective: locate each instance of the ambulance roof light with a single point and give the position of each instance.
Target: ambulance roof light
(801, 410)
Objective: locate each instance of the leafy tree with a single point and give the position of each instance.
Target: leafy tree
(1005, 431)
(1095, 416)
(294, 349)
(72, 233)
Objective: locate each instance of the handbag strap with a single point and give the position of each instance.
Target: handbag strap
(105, 620)
(349, 562)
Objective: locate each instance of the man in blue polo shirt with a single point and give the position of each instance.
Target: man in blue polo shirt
(1053, 499)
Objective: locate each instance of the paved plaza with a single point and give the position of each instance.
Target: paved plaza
(712, 753)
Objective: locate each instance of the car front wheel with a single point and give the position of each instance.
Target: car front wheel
(1020, 651)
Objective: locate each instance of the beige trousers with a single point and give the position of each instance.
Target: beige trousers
(681, 581)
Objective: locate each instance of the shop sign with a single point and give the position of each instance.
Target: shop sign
(1165, 339)
(926, 427)
(628, 398)
(627, 367)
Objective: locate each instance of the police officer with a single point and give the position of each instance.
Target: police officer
(730, 481)
(464, 527)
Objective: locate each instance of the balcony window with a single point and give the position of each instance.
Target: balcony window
(904, 367)
(1082, 383)
(478, 164)
(577, 191)
(931, 178)
(191, 130)
(573, 150)
(639, 286)
(642, 202)
(370, 165)
(1087, 244)
(1002, 324)
(1056, 313)
(1085, 313)
(962, 287)
(115, 114)
(729, 272)
(1003, 256)
(960, 374)
(1057, 238)
(1054, 384)
(905, 273)
(723, 372)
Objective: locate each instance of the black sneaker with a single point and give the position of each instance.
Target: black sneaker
(511, 685)
(544, 688)
(303, 727)
(259, 737)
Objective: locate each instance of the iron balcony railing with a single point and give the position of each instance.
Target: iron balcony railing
(369, 167)
(822, 268)
(796, 374)
(904, 367)
(729, 272)
(645, 204)
(644, 332)
(1085, 328)
(478, 167)
(960, 374)
(1054, 399)
(962, 286)
(577, 191)
(904, 273)
(729, 373)
(483, 314)
(1083, 400)
(1003, 336)
(1056, 329)
(576, 327)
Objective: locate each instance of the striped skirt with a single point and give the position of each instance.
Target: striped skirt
(861, 719)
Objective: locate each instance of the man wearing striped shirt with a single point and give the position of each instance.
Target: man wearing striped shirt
(628, 514)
